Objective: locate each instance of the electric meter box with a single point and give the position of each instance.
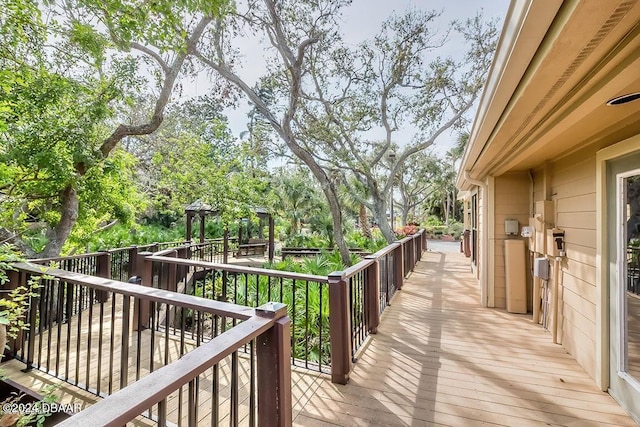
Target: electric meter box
(511, 227)
(541, 268)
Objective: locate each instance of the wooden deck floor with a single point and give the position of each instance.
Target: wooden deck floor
(439, 358)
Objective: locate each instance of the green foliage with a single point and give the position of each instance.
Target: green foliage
(14, 306)
(54, 108)
(433, 220)
(438, 231)
(193, 157)
(161, 23)
(298, 197)
(355, 239)
(121, 235)
(38, 415)
(307, 240)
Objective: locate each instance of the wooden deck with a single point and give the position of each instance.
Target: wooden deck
(439, 358)
(99, 378)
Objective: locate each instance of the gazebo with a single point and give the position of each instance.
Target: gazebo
(203, 210)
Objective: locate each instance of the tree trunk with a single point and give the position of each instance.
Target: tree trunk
(364, 222)
(405, 213)
(68, 216)
(380, 215)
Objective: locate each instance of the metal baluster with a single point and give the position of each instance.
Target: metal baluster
(100, 335)
(306, 325)
(124, 350)
(82, 290)
(112, 343)
(89, 336)
(233, 414)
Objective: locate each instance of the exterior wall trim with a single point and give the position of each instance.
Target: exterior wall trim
(490, 239)
(617, 150)
(483, 246)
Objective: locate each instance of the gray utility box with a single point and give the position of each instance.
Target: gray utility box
(541, 268)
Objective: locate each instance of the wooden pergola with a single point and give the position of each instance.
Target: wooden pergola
(202, 211)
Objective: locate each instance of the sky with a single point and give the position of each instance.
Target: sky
(359, 22)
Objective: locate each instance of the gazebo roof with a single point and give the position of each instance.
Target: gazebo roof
(261, 212)
(200, 207)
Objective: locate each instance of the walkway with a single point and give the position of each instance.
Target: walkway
(441, 359)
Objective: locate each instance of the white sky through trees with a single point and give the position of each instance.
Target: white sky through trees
(361, 21)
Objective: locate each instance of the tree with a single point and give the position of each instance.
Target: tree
(297, 196)
(87, 54)
(191, 156)
(291, 27)
(388, 84)
(415, 183)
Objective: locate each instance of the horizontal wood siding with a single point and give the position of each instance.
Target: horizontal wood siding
(573, 183)
(511, 202)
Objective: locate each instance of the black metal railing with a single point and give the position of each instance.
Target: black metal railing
(306, 297)
(105, 336)
(331, 317)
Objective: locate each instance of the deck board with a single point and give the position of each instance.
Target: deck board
(439, 358)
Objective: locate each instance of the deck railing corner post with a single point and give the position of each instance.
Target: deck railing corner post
(103, 269)
(144, 271)
(339, 328)
(273, 354)
(14, 344)
(133, 256)
(172, 277)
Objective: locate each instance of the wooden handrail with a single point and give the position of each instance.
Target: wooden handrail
(387, 249)
(354, 269)
(151, 294)
(126, 404)
(240, 269)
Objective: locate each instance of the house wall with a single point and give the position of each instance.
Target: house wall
(571, 184)
(574, 193)
(512, 201)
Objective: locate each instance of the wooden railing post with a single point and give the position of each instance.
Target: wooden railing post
(33, 316)
(271, 238)
(372, 294)
(133, 257)
(14, 344)
(398, 266)
(339, 328)
(412, 253)
(424, 240)
(181, 271)
(273, 353)
(172, 276)
(142, 305)
(103, 269)
(225, 246)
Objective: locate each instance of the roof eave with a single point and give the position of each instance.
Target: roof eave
(525, 26)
